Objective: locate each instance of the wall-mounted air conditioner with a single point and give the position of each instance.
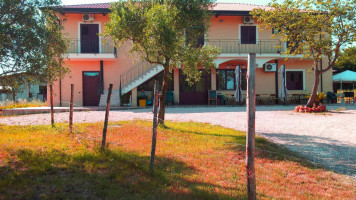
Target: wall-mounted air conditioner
(270, 67)
(88, 17)
(248, 20)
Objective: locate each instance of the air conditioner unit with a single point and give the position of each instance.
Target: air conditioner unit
(270, 67)
(88, 17)
(248, 20)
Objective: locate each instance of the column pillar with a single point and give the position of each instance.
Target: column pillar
(134, 97)
(176, 85)
(101, 83)
(213, 79)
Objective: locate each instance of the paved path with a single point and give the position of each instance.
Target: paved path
(329, 139)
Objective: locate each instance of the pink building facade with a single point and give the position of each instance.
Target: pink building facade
(95, 62)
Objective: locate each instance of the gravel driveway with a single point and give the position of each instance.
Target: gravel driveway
(328, 139)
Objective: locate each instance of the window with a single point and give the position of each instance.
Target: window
(295, 80)
(226, 79)
(248, 35)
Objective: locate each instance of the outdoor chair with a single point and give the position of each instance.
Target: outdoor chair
(212, 96)
(170, 97)
(272, 98)
(302, 99)
(223, 99)
(259, 99)
(331, 97)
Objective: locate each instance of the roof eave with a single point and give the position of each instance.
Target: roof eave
(107, 10)
(86, 10)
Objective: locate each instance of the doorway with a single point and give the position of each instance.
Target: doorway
(91, 94)
(89, 38)
(196, 94)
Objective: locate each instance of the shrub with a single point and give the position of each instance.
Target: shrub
(314, 109)
(318, 97)
(21, 104)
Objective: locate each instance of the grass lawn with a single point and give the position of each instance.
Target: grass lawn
(194, 161)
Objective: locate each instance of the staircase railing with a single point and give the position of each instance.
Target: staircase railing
(136, 71)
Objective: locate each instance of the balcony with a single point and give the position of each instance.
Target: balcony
(239, 47)
(102, 49)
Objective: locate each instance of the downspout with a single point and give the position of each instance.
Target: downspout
(60, 92)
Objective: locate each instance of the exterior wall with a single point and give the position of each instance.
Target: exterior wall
(112, 68)
(227, 29)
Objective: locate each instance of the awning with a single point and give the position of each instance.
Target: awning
(344, 77)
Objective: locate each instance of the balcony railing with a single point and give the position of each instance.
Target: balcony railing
(91, 46)
(236, 46)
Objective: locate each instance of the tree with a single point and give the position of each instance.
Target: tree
(314, 28)
(347, 59)
(164, 32)
(31, 40)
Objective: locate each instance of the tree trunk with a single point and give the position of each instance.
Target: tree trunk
(51, 102)
(13, 95)
(162, 96)
(315, 86)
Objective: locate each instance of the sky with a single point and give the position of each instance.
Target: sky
(74, 2)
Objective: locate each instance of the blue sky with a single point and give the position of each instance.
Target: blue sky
(258, 2)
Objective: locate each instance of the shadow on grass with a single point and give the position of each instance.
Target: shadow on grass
(101, 175)
(264, 148)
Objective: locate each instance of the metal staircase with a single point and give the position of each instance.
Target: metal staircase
(132, 78)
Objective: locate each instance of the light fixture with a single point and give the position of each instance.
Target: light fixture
(64, 20)
(221, 21)
(228, 66)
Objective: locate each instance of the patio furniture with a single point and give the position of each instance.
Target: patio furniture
(259, 100)
(302, 98)
(295, 98)
(272, 98)
(222, 99)
(170, 98)
(331, 97)
(212, 96)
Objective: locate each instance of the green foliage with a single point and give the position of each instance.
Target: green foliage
(31, 42)
(157, 30)
(347, 59)
(316, 29)
(164, 32)
(318, 97)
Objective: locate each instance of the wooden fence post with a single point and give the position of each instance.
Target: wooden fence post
(250, 139)
(51, 103)
(106, 118)
(71, 108)
(154, 129)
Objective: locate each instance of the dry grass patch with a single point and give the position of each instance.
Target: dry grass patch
(194, 161)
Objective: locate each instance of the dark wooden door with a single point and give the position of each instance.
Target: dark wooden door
(89, 38)
(248, 34)
(196, 94)
(91, 92)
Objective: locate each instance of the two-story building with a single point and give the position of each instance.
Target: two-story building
(95, 62)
